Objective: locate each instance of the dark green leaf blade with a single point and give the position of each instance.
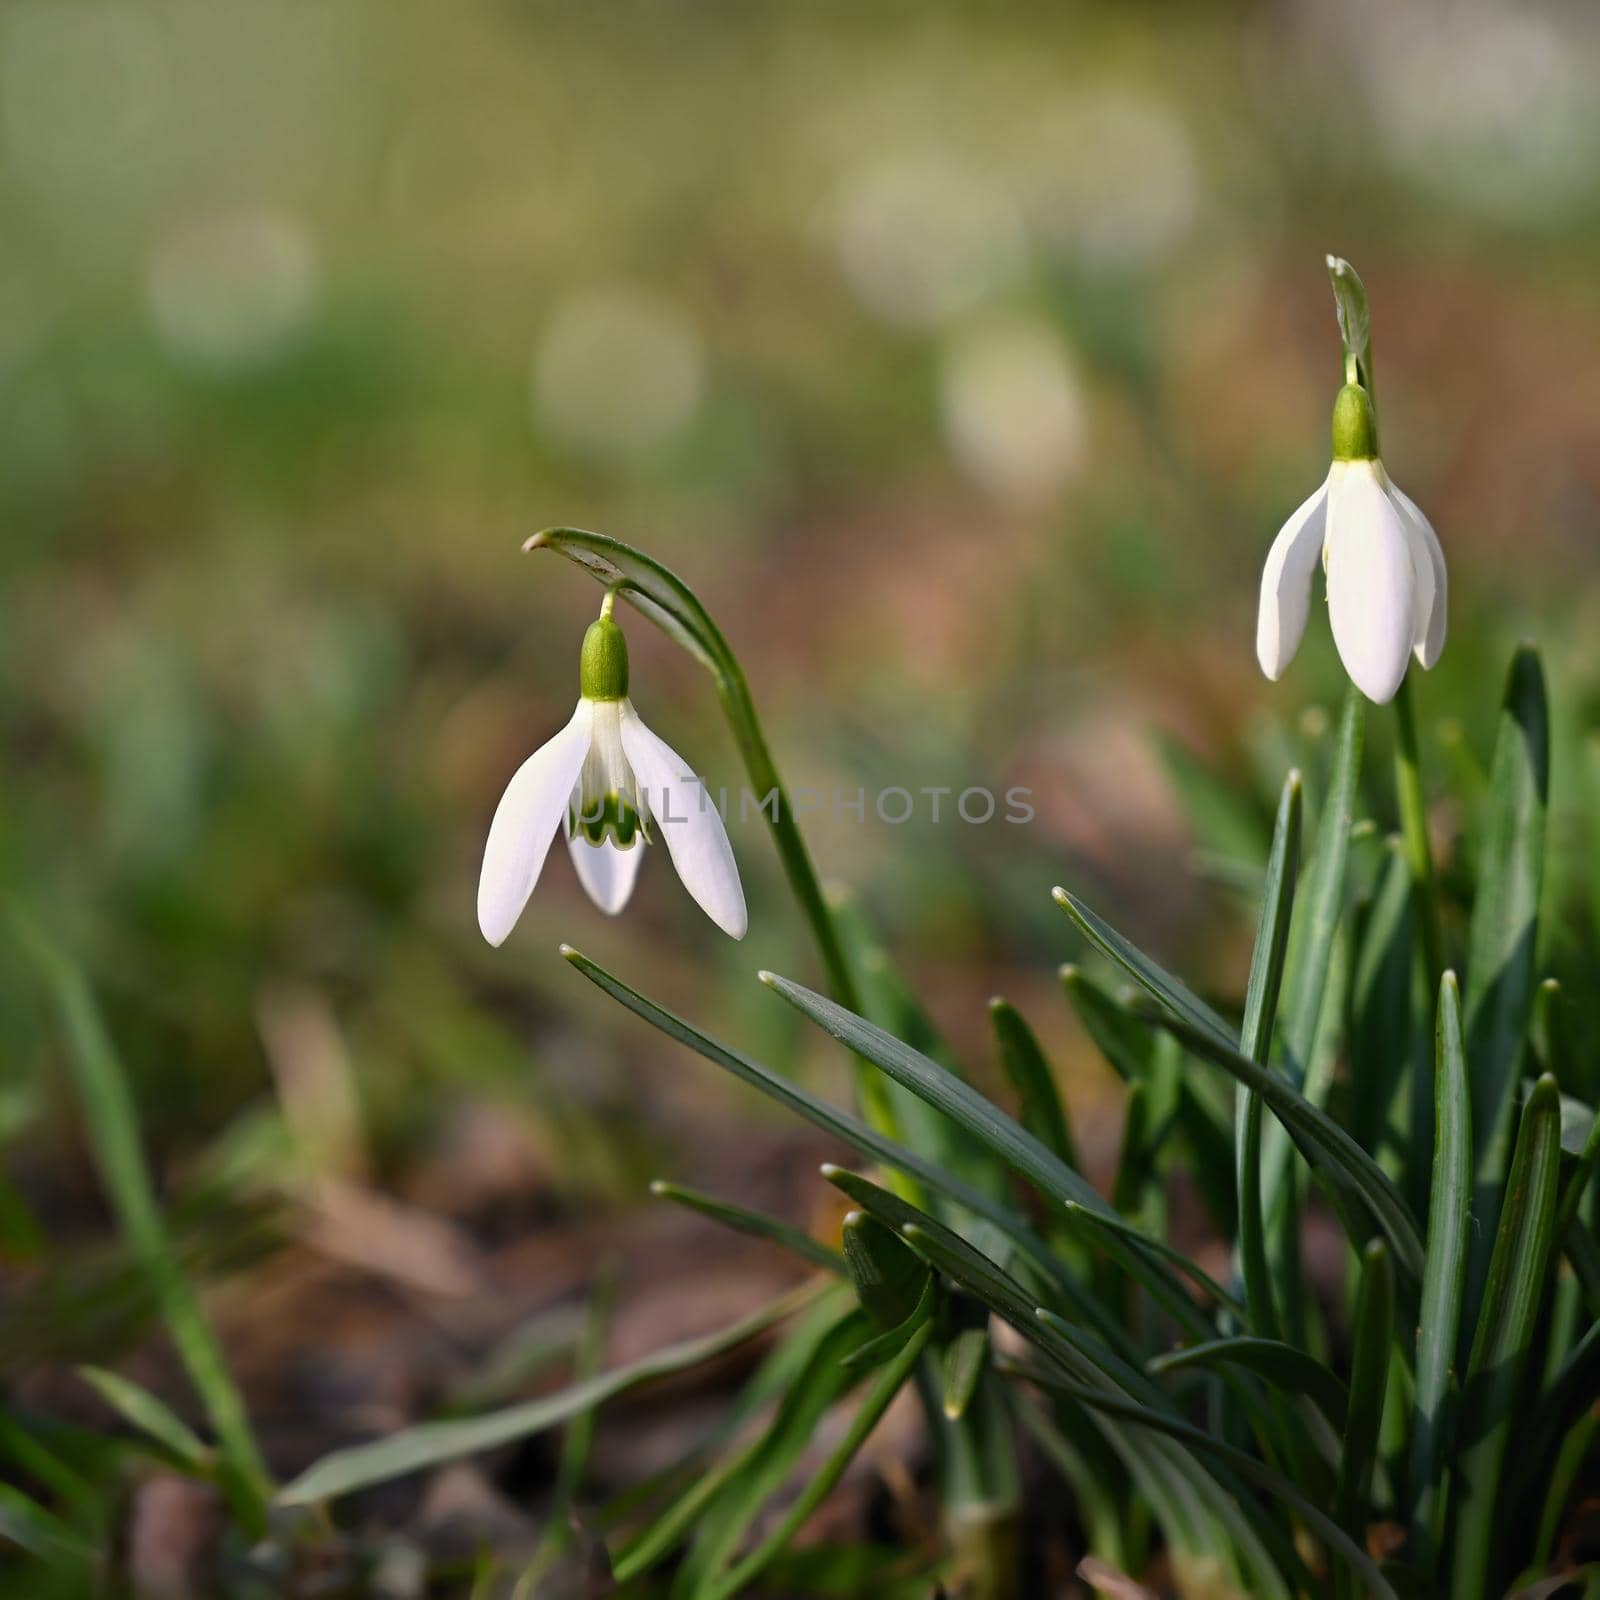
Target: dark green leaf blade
(1323, 1142)
(1518, 1278)
(1173, 994)
(1282, 1365)
(1255, 1041)
(1444, 1273)
(755, 1224)
(1372, 1331)
(1043, 1114)
(1502, 939)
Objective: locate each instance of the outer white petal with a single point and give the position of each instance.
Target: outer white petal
(689, 822)
(1372, 585)
(1286, 582)
(530, 811)
(1428, 553)
(606, 871)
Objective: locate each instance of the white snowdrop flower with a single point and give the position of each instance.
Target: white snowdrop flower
(610, 782)
(1387, 589)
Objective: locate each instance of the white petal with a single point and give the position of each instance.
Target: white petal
(689, 822)
(1427, 553)
(606, 871)
(1286, 583)
(530, 811)
(1372, 586)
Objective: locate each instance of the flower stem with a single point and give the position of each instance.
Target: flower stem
(1414, 831)
(739, 708)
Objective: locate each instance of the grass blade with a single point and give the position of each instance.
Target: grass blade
(1204, 1119)
(431, 1443)
(1324, 1143)
(878, 1400)
(1007, 1139)
(1518, 1277)
(1501, 952)
(1043, 1114)
(114, 1131)
(806, 1401)
(1443, 1277)
(1255, 1041)
(1372, 1330)
(1282, 1365)
(1155, 980)
(1101, 1221)
(152, 1417)
(753, 1223)
(1201, 1443)
(851, 1130)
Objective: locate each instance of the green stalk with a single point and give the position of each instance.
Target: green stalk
(1414, 831)
(114, 1133)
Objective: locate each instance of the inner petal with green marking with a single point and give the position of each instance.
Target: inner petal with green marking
(606, 801)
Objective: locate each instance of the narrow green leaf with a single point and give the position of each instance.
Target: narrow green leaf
(1201, 1443)
(1043, 1114)
(1518, 1277)
(1501, 948)
(889, 1000)
(1383, 1022)
(1371, 1332)
(805, 1403)
(26, 1524)
(754, 1223)
(980, 1274)
(1194, 1498)
(963, 1360)
(1119, 1036)
(1100, 1221)
(870, 1412)
(151, 1416)
(869, 1141)
(1323, 1142)
(429, 1444)
(1204, 1117)
(1444, 1275)
(1320, 904)
(1174, 995)
(776, 1373)
(1255, 1041)
(889, 1279)
(1282, 1365)
(1134, 1166)
(965, 1106)
(886, 1346)
(114, 1131)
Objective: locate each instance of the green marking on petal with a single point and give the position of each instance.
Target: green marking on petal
(613, 817)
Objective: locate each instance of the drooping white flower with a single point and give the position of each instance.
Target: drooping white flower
(610, 782)
(1387, 587)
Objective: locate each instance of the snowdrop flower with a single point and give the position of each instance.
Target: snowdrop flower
(1387, 590)
(607, 778)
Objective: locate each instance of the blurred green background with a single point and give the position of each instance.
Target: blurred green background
(965, 358)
